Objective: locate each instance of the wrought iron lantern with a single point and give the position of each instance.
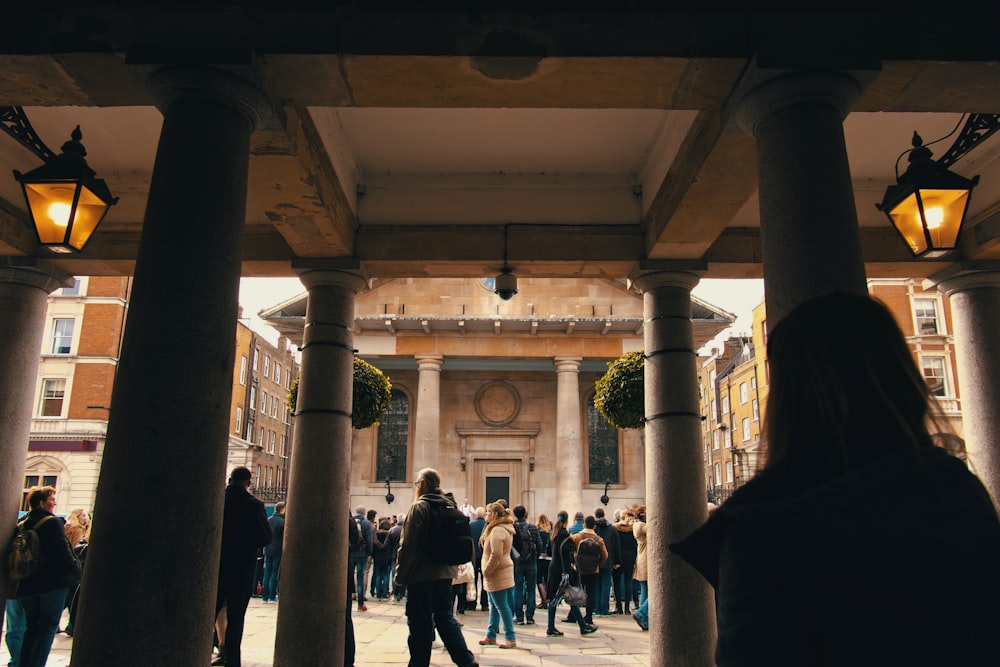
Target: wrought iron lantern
(65, 199)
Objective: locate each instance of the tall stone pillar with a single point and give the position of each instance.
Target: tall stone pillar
(25, 284)
(810, 243)
(427, 426)
(974, 291)
(682, 609)
(314, 597)
(569, 444)
(149, 590)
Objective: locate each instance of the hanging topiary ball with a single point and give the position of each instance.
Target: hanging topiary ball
(621, 395)
(372, 391)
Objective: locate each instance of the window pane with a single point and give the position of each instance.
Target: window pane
(602, 445)
(72, 291)
(62, 336)
(933, 368)
(393, 434)
(53, 393)
(925, 311)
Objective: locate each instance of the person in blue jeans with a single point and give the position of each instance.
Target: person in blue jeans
(528, 544)
(610, 567)
(272, 554)
(360, 553)
(14, 633)
(42, 595)
(498, 574)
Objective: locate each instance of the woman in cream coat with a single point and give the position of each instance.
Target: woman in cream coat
(498, 574)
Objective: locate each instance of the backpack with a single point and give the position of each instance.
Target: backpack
(447, 538)
(527, 553)
(588, 556)
(355, 539)
(24, 557)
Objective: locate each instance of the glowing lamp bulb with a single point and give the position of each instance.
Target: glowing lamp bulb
(59, 213)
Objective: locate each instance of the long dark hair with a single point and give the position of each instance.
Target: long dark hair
(842, 376)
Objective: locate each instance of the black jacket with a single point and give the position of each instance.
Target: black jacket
(60, 569)
(892, 564)
(244, 531)
(562, 561)
(609, 534)
(277, 524)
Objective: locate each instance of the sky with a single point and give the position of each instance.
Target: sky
(738, 297)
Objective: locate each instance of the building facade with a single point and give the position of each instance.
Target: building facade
(498, 395)
(79, 357)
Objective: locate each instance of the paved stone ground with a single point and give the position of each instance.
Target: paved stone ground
(381, 636)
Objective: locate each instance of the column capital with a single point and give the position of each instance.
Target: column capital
(239, 86)
(652, 275)
(962, 276)
(34, 272)
(567, 364)
(762, 92)
(429, 362)
(347, 273)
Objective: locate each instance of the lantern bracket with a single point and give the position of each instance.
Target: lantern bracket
(15, 122)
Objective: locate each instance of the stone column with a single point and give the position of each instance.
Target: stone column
(682, 609)
(25, 283)
(427, 425)
(810, 243)
(310, 628)
(974, 291)
(152, 571)
(569, 444)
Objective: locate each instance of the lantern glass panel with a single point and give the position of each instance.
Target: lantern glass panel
(90, 211)
(906, 217)
(943, 211)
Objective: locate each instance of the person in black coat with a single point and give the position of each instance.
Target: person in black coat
(244, 531)
(860, 542)
(42, 595)
(272, 554)
(562, 572)
(610, 567)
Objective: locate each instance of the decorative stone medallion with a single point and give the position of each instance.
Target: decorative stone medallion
(497, 403)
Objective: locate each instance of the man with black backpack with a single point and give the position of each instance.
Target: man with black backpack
(527, 544)
(435, 539)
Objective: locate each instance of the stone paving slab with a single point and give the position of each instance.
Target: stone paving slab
(381, 634)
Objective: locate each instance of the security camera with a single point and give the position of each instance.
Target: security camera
(505, 284)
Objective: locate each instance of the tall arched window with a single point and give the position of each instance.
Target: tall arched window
(393, 434)
(602, 447)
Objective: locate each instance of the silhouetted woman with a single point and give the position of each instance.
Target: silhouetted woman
(860, 542)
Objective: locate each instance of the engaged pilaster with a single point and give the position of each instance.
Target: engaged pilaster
(569, 446)
(427, 428)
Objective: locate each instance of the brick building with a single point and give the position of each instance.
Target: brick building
(79, 358)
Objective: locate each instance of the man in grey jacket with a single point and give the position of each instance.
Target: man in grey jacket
(428, 583)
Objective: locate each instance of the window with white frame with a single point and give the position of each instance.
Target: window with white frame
(263, 402)
(253, 398)
(274, 407)
(283, 452)
(729, 472)
(277, 372)
(260, 437)
(717, 473)
(271, 436)
(243, 370)
(756, 410)
(249, 435)
(934, 374)
(714, 405)
(727, 437)
(725, 405)
(238, 427)
(267, 366)
(256, 356)
(62, 336)
(925, 312)
(744, 394)
(746, 429)
(52, 397)
(715, 439)
(753, 381)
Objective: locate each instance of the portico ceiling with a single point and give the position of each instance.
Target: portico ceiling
(421, 141)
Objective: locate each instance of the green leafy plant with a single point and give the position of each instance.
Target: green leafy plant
(620, 395)
(372, 391)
